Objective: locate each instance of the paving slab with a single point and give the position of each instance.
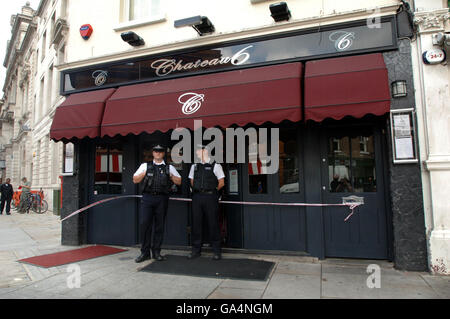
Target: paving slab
(298, 268)
(287, 286)
(354, 286)
(236, 293)
(244, 284)
(440, 284)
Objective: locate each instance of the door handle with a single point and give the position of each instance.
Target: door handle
(353, 200)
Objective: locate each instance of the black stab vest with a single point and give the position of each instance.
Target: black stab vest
(204, 178)
(157, 179)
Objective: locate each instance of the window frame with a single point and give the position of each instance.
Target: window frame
(64, 172)
(108, 146)
(125, 22)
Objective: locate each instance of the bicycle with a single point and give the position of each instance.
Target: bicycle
(36, 203)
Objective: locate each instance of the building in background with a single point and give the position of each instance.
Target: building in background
(31, 95)
(18, 100)
(50, 51)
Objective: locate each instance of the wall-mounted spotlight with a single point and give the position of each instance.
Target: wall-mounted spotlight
(280, 11)
(200, 24)
(399, 88)
(132, 38)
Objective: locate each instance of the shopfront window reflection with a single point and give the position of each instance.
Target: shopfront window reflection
(288, 169)
(108, 169)
(351, 161)
(257, 171)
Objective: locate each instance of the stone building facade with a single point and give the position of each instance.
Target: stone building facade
(18, 105)
(432, 83)
(31, 95)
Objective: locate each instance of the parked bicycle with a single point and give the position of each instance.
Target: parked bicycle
(34, 201)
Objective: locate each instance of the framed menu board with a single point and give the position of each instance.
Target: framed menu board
(403, 132)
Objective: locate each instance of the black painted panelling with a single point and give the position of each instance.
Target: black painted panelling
(410, 247)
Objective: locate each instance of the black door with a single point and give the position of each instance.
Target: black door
(276, 227)
(111, 167)
(352, 165)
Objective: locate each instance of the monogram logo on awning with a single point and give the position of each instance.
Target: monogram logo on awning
(192, 102)
(100, 77)
(342, 39)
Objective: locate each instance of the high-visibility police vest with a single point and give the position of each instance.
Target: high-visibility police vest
(157, 179)
(204, 178)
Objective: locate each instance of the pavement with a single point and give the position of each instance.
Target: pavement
(118, 276)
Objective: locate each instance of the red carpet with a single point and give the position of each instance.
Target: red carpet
(71, 256)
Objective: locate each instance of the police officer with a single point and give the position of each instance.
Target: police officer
(207, 178)
(158, 178)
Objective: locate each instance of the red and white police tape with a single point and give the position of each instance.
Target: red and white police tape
(351, 206)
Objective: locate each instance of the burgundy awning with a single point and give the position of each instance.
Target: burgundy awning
(80, 115)
(347, 86)
(255, 95)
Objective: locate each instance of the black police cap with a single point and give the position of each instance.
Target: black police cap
(159, 147)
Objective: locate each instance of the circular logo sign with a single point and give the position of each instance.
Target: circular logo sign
(100, 77)
(192, 102)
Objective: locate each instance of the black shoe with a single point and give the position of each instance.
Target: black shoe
(158, 257)
(142, 257)
(193, 256)
(217, 257)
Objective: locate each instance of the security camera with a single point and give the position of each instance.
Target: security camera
(280, 11)
(132, 38)
(441, 39)
(201, 24)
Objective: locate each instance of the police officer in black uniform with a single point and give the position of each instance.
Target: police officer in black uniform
(158, 178)
(207, 178)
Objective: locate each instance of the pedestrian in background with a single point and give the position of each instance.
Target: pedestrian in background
(7, 193)
(26, 191)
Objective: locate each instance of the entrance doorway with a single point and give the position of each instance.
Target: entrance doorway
(276, 227)
(352, 165)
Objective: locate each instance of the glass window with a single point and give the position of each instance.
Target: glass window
(288, 171)
(257, 173)
(143, 9)
(68, 158)
(351, 163)
(108, 170)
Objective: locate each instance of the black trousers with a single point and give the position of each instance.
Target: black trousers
(205, 206)
(8, 205)
(153, 215)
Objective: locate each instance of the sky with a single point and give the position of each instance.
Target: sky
(9, 8)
